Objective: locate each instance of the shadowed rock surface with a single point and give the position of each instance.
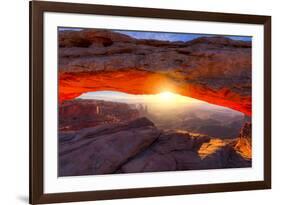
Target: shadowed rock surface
(225, 157)
(212, 69)
(138, 146)
(171, 151)
(104, 153)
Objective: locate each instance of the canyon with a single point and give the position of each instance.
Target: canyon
(110, 138)
(98, 137)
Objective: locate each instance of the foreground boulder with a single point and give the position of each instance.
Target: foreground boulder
(105, 152)
(174, 152)
(170, 152)
(225, 157)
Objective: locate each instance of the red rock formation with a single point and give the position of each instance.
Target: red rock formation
(215, 69)
(244, 143)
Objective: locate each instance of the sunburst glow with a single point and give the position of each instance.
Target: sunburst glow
(169, 99)
(167, 96)
(165, 99)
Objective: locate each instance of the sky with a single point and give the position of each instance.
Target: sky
(164, 101)
(174, 36)
(165, 36)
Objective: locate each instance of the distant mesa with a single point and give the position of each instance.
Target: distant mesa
(78, 114)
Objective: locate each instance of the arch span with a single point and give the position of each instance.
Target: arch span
(212, 69)
(72, 85)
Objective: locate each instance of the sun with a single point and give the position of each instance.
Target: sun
(167, 96)
(168, 99)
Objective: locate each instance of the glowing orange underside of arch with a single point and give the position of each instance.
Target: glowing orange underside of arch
(72, 85)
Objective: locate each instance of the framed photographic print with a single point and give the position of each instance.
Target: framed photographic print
(138, 102)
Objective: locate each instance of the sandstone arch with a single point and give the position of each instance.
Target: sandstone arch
(213, 69)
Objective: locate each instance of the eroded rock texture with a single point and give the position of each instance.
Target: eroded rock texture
(212, 69)
(138, 146)
(103, 150)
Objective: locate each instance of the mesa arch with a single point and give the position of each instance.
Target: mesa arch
(212, 69)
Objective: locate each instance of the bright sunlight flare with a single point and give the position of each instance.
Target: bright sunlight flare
(165, 99)
(167, 96)
(170, 99)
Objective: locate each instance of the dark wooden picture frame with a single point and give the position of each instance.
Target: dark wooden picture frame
(37, 9)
